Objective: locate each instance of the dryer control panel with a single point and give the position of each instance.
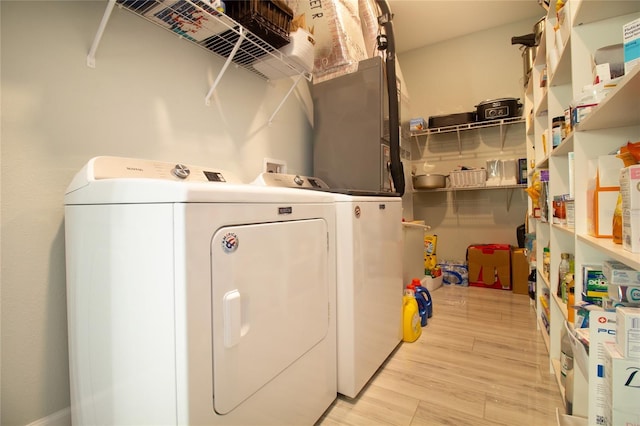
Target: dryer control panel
(120, 167)
(290, 181)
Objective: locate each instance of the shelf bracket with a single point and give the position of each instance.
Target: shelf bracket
(91, 57)
(293, 86)
(207, 99)
(503, 135)
(459, 142)
(509, 197)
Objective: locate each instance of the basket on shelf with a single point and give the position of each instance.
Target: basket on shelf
(270, 20)
(468, 178)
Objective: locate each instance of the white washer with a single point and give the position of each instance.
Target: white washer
(192, 300)
(369, 272)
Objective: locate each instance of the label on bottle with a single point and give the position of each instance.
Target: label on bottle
(566, 363)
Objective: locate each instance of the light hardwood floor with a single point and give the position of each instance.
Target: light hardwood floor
(479, 361)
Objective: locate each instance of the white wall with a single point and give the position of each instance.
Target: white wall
(144, 99)
(452, 77)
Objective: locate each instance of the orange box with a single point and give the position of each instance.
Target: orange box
(490, 266)
(601, 202)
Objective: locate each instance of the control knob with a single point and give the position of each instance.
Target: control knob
(181, 171)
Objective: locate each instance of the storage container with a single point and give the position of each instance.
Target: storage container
(468, 178)
(269, 20)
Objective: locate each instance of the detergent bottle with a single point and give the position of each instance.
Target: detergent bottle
(411, 328)
(423, 297)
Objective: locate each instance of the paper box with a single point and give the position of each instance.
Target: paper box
(620, 274)
(622, 387)
(490, 266)
(628, 333)
(631, 230)
(608, 173)
(630, 187)
(631, 44)
(601, 204)
(519, 271)
(602, 329)
(417, 124)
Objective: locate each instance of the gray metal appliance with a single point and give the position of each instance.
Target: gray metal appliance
(351, 130)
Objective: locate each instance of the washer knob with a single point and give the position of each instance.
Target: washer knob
(181, 171)
(298, 180)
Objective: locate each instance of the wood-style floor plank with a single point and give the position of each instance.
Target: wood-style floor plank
(480, 361)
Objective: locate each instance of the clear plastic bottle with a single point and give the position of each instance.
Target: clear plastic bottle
(566, 355)
(563, 269)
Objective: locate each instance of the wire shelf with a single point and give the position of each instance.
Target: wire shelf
(212, 30)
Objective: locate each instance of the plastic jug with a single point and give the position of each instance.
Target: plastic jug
(411, 328)
(423, 297)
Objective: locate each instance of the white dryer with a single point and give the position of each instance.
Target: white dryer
(195, 300)
(369, 272)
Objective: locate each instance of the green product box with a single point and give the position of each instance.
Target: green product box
(594, 282)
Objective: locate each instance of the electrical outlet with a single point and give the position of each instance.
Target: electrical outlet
(274, 166)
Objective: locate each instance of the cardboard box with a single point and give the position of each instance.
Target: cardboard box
(490, 266)
(601, 204)
(628, 334)
(620, 274)
(631, 44)
(519, 271)
(631, 230)
(602, 329)
(622, 387)
(608, 173)
(630, 187)
(417, 124)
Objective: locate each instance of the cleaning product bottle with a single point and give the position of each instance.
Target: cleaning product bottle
(423, 298)
(411, 328)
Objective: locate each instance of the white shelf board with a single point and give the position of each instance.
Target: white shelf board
(612, 250)
(621, 108)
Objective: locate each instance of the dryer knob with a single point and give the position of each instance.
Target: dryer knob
(298, 180)
(181, 171)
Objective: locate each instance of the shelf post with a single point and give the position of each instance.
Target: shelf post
(91, 57)
(207, 99)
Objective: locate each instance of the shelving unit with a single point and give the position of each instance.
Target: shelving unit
(198, 23)
(594, 24)
(503, 124)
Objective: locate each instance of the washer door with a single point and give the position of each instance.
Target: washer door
(270, 303)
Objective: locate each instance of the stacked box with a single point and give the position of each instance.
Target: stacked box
(594, 284)
(490, 266)
(622, 387)
(628, 333)
(630, 191)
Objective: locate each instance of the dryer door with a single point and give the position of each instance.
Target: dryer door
(270, 303)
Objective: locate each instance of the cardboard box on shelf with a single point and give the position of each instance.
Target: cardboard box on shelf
(602, 329)
(628, 333)
(622, 387)
(631, 44)
(608, 173)
(519, 271)
(490, 266)
(631, 230)
(601, 204)
(630, 187)
(620, 274)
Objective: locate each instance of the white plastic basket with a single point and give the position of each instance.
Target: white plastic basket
(468, 178)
